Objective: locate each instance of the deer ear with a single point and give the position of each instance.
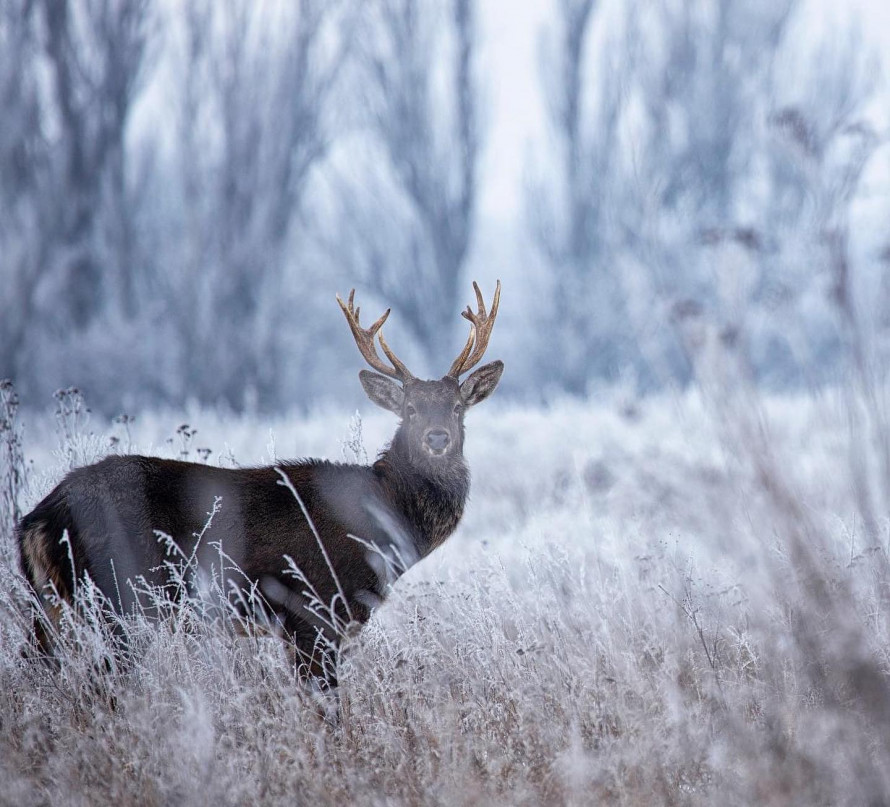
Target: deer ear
(382, 391)
(480, 384)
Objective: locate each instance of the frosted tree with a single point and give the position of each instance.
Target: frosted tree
(754, 145)
(407, 207)
(695, 221)
(20, 179)
(95, 52)
(252, 124)
(690, 140)
(70, 71)
(823, 142)
(572, 195)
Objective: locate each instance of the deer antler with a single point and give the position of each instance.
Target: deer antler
(364, 339)
(480, 332)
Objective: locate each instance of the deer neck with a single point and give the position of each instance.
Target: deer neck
(431, 497)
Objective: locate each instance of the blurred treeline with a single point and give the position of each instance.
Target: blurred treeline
(184, 185)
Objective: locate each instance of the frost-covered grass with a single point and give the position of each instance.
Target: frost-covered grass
(678, 600)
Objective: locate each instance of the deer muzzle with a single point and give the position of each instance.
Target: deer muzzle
(436, 441)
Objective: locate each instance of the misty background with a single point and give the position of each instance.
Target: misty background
(185, 186)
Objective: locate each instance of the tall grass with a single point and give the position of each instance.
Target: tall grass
(679, 604)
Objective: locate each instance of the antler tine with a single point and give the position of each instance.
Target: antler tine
(400, 367)
(454, 372)
(364, 340)
(483, 323)
(480, 332)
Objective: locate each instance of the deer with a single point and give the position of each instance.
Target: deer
(317, 542)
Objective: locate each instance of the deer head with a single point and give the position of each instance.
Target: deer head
(432, 412)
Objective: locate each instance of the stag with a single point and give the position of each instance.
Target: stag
(295, 535)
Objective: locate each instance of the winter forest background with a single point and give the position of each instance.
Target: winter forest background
(184, 187)
(671, 584)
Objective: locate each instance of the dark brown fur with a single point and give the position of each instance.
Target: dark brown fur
(410, 499)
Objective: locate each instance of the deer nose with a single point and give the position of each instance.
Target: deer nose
(437, 439)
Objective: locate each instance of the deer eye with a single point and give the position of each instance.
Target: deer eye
(410, 411)
(457, 408)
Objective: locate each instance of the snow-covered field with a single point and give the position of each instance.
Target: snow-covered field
(677, 600)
